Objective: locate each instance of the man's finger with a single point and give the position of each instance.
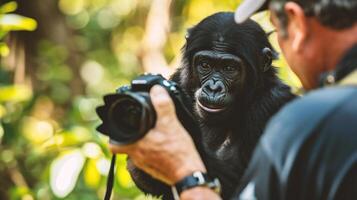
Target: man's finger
(161, 101)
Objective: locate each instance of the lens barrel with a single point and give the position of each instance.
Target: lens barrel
(128, 117)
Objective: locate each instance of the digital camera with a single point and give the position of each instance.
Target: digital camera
(128, 114)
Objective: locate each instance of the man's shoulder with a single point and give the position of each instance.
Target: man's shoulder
(297, 120)
(314, 104)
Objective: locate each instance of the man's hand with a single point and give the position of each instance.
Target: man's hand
(167, 152)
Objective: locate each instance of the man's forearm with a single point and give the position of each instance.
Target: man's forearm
(199, 193)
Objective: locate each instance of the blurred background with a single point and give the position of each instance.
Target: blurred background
(57, 59)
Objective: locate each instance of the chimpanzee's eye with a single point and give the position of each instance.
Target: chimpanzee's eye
(230, 68)
(205, 65)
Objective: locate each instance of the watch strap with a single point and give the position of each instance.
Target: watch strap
(195, 180)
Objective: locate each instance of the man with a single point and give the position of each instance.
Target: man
(309, 150)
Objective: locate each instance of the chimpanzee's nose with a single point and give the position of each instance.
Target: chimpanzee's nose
(214, 87)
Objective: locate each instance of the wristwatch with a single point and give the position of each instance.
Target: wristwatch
(194, 180)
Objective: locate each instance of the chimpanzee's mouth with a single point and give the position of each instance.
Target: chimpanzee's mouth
(211, 109)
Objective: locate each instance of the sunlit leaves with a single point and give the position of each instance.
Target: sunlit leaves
(71, 7)
(196, 10)
(74, 136)
(64, 172)
(37, 131)
(103, 166)
(263, 19)
(2, 111)
(15, 93)
(1, 132)
(123, 175)
(92, 72)
(8, 7)
(84, 108)
(4, 49)
(13, 22)
(123, 7)
(22, 193)
(80, 20)
(92, 150)
(91, 174)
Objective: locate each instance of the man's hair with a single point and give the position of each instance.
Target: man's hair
(337, 14)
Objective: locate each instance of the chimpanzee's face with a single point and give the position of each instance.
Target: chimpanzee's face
(221, 75)
(225, 64)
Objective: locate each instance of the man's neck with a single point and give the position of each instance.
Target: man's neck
(336, 44)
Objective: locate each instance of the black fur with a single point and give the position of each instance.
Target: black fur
(228, 142)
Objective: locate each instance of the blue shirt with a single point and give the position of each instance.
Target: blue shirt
(309, 149)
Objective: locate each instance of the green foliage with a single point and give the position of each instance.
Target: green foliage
(49, 148)
(12, 22)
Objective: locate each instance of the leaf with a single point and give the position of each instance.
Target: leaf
(4, 50)
(91, 174)
(2, 132)
(37, 131)
(122, 174)
(15, 93)
(2, 111)
(64, 172)
(124, 177)
(2, 33)
(8, 7)
(13, 22)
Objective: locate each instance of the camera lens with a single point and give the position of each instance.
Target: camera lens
(126, 114)
(130, 116)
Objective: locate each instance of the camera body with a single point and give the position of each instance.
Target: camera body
(128, 114)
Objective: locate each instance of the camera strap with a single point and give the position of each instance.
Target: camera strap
(110, 180)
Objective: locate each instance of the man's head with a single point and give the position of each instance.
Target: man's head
(313, 34)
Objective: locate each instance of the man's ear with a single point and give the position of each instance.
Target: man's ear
(297, 25)
(269, 56)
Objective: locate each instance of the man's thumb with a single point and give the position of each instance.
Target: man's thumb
(161, 101)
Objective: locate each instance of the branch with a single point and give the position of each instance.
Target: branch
(156, 33)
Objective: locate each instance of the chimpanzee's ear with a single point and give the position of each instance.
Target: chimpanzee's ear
(269, 56)
(187, 37)
(188, 33)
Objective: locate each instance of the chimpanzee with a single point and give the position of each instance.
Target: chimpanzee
(227, 70)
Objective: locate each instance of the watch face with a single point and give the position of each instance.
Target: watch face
(200, 178)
